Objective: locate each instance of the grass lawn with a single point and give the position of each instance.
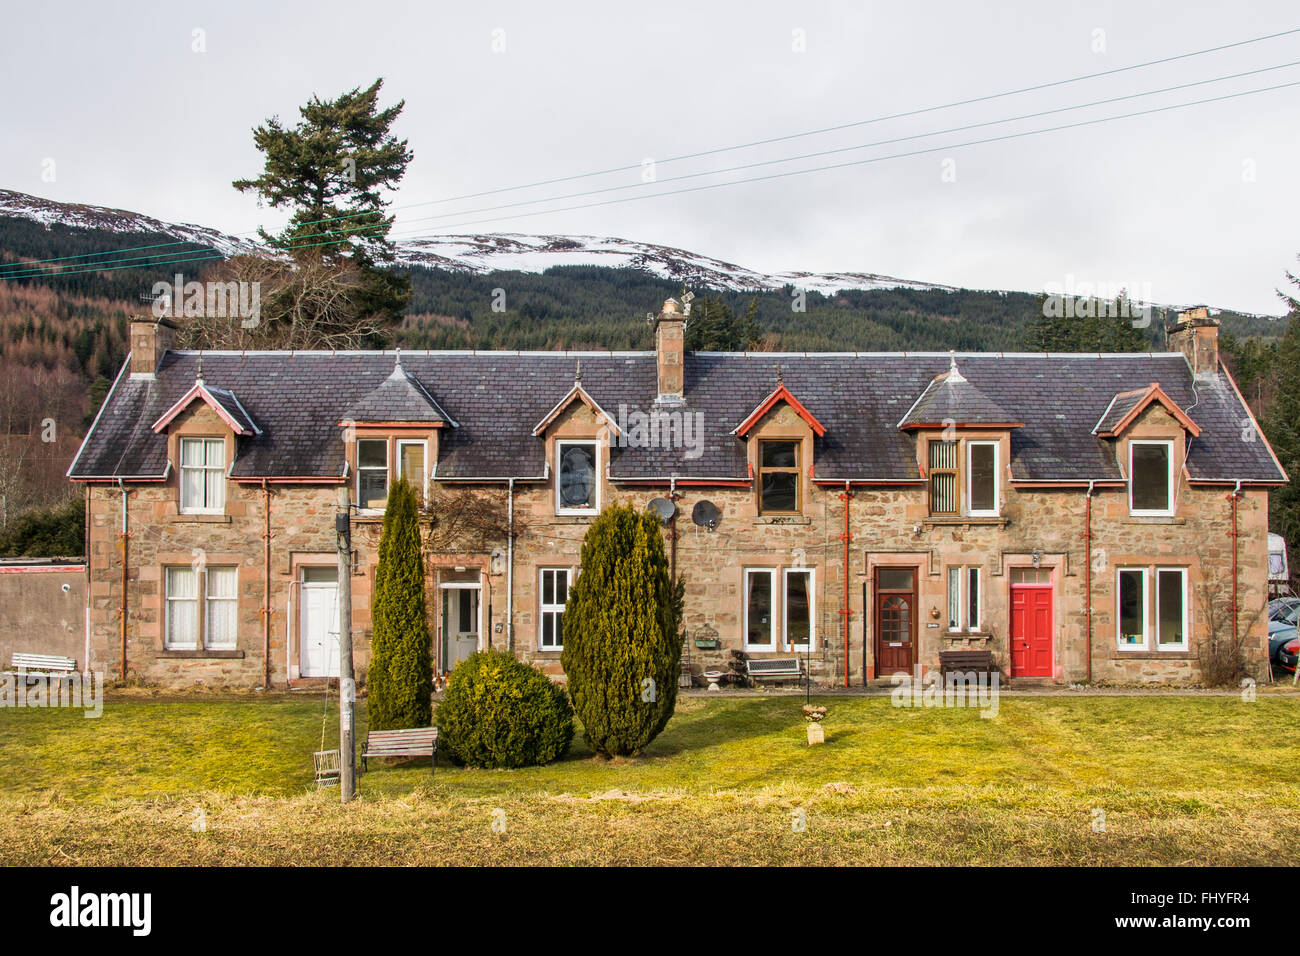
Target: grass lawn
(1204, 780)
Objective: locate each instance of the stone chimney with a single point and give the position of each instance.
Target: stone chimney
(150, 338)
(670, 351)
(1195, 333)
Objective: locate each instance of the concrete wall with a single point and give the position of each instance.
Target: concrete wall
(37, 614)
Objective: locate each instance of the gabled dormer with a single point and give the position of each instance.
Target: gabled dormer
(780, 433)
(391, 433)
(1149, 431)
(202, 429)
(577, 433)
(963, 445)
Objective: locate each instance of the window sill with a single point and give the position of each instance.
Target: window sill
(1142, 654)
(206, 654)
(199, 517)
(576, 517)
(1154, 519)
(968, 520)
(793, 518)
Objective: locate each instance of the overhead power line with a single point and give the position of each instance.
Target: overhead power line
(707, 152)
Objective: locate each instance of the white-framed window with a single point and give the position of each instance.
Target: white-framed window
(1172, 617)
(1131, 608)
(412, 455)
(760, 609)
(982, 479)
(1151, 478)
(182, 612)
(550, 609)
(965, 596)
(203, 475)
(778, 477)
(184, 628)
(372, 473)
(944, 498)
(221, 612)
(798, 610)
(577, 477)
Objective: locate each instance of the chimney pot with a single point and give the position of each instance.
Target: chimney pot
(670, 353)
(1195, 333)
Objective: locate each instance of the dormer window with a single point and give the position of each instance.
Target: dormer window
(577, 488)
(203, 475)
(372, 473)
(1151, 478)
(778, 477)
(964, 480)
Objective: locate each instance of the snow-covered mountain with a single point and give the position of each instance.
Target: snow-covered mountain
(23, 206)
(481, 253)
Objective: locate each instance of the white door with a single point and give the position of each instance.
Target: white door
(318, 623)
(460, 623)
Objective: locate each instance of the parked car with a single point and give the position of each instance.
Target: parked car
(1284, 609)
(1283, 645)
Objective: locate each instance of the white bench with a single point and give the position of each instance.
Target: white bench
(43, 665)
(773, 668)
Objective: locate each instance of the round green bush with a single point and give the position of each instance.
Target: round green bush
(500, 712)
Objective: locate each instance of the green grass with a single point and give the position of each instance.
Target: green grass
(1182, 779)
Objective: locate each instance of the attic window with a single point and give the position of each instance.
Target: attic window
(576, 489)
(203, 475)
(778, 477)
(372, 473)
(1151, 478)
(943, 478)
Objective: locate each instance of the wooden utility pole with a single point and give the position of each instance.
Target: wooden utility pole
(347, 683)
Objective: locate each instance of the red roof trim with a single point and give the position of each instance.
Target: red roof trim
(781, 394)
(199, 390)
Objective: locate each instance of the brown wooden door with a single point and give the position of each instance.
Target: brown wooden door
(895, 620)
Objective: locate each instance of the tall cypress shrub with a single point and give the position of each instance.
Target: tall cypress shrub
(621, 645)
(401, 672)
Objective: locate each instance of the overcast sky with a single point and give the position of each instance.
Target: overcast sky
(1185, 206)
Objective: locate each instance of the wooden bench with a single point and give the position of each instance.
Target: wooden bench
(980, 662)
(410, 742)
(773, 668)
(43, 665)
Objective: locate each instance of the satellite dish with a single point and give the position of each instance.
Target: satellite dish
(663, 508)
(706, 515)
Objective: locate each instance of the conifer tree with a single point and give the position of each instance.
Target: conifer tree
(1283, 427)
(622, 649)
(401, 672)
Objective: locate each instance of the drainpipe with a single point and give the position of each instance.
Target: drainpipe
(266, 585)
(510, 567)
(844, 609)
(672, 529)
(1234, 534)
(122, 608)
(1087, 570)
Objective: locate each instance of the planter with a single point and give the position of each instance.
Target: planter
(706, 645)
(816, 735)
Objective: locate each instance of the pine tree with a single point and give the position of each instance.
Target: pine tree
(715, 327)
(331, 169)
(622, 649)
(401, 672)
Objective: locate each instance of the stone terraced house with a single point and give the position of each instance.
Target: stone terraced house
(1079, 516)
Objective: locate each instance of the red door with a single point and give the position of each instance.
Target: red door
(1031, 631)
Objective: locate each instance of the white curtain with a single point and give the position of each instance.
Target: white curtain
(182, 608)
(222, 606)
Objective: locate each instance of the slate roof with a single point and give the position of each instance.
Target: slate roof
(950, 398)
(398, 398)
(1120, 406)
(230, 404)
(495, 399)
